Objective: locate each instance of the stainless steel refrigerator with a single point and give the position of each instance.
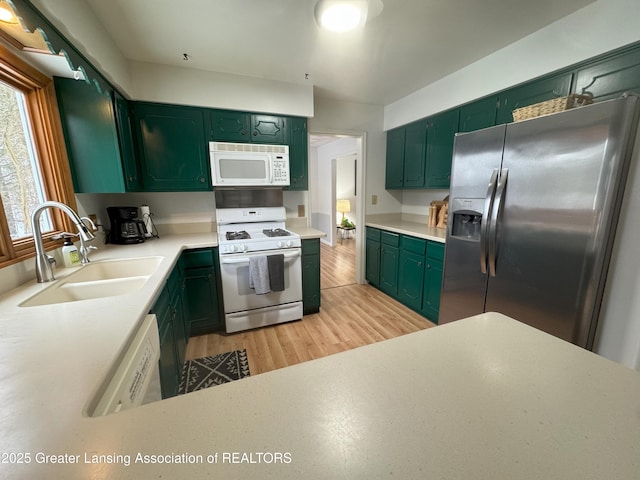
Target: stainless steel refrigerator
(533, 211)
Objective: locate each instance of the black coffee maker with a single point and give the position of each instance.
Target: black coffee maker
(125, 226)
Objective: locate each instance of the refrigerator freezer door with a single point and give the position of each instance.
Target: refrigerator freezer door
(561, 204)
(477, 156)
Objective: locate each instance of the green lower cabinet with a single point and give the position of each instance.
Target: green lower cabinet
(433, 281)
(177, 323)
(411, 276)
(411, 271)
(311, 276)
(389, 261)
(169, 363)
(372, 269)
(202, 298)
(407, 268)
(432, 289)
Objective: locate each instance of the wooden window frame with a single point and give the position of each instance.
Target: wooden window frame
(49, 144)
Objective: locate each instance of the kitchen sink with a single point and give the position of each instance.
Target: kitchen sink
(97, 280)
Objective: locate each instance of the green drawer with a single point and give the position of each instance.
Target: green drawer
(311, 246)
(373, 234)
(197, 258)
(413, 244)
(391, 239)
(435, 250)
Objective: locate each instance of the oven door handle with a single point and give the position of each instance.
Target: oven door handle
(237, 260)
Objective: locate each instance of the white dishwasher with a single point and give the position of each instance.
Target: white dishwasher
(137, 378)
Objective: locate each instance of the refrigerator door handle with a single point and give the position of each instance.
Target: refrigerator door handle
(484, 224)
(496, 213)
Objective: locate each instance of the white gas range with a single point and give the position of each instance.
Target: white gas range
(261, 267)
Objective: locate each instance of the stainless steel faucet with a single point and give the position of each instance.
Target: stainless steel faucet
(84, 250)
(44, 272)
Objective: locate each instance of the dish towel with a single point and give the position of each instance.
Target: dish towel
(259, 274)
(276, 272)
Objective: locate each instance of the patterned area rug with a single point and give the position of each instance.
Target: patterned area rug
(210, 371)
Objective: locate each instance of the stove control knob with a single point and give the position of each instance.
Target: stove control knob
(279, 244)
(244, 247)
(288, 243)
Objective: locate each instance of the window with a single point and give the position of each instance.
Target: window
(33, 165)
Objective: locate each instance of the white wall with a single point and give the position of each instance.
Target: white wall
(188, 86)
(598, 28)
(333, 116)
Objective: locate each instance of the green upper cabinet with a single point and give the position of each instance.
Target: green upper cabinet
(530, 93)
(394, 176)
(415, 141)
(127, 147)
(442, 129)
(268, 129)
(478, 115)
(91, 137)
(611, 77)
(243, 127)
(172, 147)
(230, 126)
(298, 153)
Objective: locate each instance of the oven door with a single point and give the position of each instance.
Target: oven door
(239, 297)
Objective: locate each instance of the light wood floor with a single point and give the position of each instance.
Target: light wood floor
(351, 316)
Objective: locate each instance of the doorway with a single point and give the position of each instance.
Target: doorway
(336, 173)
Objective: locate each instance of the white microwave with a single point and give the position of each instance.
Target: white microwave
(249, 165)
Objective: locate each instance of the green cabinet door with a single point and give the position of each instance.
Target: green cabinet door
(432, 289)
(433, 280)
(442, 129)
(530, 93)
(268, 129)
(372, 256)
(611, 77)
(170, 367)
(389, 260)
(173, 148)
(479, 114)
(91, 138)
(230, 126)
(415, 141)
(202, 297)
(394, 175)
(410, 279)
(127, 148)
(298, 154)
(311, 276)
(177, 324)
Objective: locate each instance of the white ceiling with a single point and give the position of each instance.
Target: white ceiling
(411, 44)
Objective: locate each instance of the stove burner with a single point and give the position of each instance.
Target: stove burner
(276, 232)
(241, 235)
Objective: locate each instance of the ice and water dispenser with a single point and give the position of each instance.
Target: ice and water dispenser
(466, 217)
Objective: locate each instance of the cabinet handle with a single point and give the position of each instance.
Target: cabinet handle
(201, 179)
(255, 133)
(419, 264)
(243, 132)
(428, 267)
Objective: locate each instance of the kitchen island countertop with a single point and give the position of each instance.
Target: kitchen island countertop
(484, 398)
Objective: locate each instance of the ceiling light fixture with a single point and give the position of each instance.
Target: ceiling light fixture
(346, 15)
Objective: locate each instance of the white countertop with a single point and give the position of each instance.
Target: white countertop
(482, 398)
(401, 224)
